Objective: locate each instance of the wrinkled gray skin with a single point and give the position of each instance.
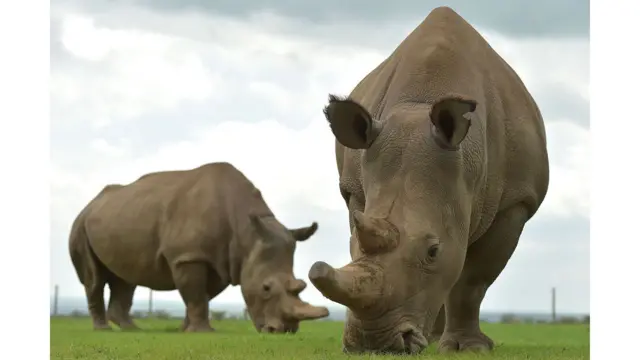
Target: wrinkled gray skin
(442, 158)
(197, 231)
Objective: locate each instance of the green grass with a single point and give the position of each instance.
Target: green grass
(73, 338)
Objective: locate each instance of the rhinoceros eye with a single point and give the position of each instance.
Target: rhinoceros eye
(433, 252)
(266, 288)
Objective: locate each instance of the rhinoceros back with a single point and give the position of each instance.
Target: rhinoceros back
(134, 230)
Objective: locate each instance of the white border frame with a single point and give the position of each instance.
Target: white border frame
(615, 126)
(24, 190)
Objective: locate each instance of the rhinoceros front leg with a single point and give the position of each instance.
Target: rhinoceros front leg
(120, 303)
(486, 258)
(191, 281)
(215, 286)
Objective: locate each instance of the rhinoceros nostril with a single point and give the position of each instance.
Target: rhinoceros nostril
(406, 337)
(413, 342)
(270, 329)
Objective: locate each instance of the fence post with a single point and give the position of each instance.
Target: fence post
(553, 304)
(150, 302)
(55, 300)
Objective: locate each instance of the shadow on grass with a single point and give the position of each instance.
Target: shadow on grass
(168, 329)
(177, 330)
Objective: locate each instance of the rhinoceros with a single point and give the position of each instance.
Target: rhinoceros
(442, 160)
(197, 231)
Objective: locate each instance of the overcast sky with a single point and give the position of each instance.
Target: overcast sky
(168, 84)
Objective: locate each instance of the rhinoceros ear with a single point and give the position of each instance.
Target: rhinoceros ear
(296, 286)
(449, 123)
(302, 234)
(351, 124)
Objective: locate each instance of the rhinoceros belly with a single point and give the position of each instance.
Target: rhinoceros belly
(133, 256)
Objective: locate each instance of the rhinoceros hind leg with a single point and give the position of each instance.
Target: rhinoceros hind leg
(120, 303)
(92, 274)
(486, 258)
(191, 281)
(94, 282)
(95, 300)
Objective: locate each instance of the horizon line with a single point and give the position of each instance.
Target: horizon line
(242, 304)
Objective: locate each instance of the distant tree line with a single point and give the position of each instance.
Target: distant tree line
(164, 315)
(514, 319)
(223, 315)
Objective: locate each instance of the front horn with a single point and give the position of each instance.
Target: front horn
(351, 285)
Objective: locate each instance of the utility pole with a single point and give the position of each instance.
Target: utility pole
(150, 302)
(553, 304)
(55, 301)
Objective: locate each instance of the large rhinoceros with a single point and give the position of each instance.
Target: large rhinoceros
(442, 159)
(197, 231)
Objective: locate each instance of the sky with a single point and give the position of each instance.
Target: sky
(142, 86)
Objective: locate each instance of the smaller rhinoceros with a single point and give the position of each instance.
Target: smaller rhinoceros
(198, 231)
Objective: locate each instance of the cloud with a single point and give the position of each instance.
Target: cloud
(569, 187)
(135, 91)
(516, 17)
(271, 51)
(134, 60)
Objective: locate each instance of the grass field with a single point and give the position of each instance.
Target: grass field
(73, 338)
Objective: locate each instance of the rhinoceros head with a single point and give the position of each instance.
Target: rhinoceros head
(268, 284)
(405, 259)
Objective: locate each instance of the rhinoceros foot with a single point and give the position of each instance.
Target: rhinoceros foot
(101, 327)
(186, 326)
(465, 341)
(204, 327)
(125, 323)
(128, 326)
